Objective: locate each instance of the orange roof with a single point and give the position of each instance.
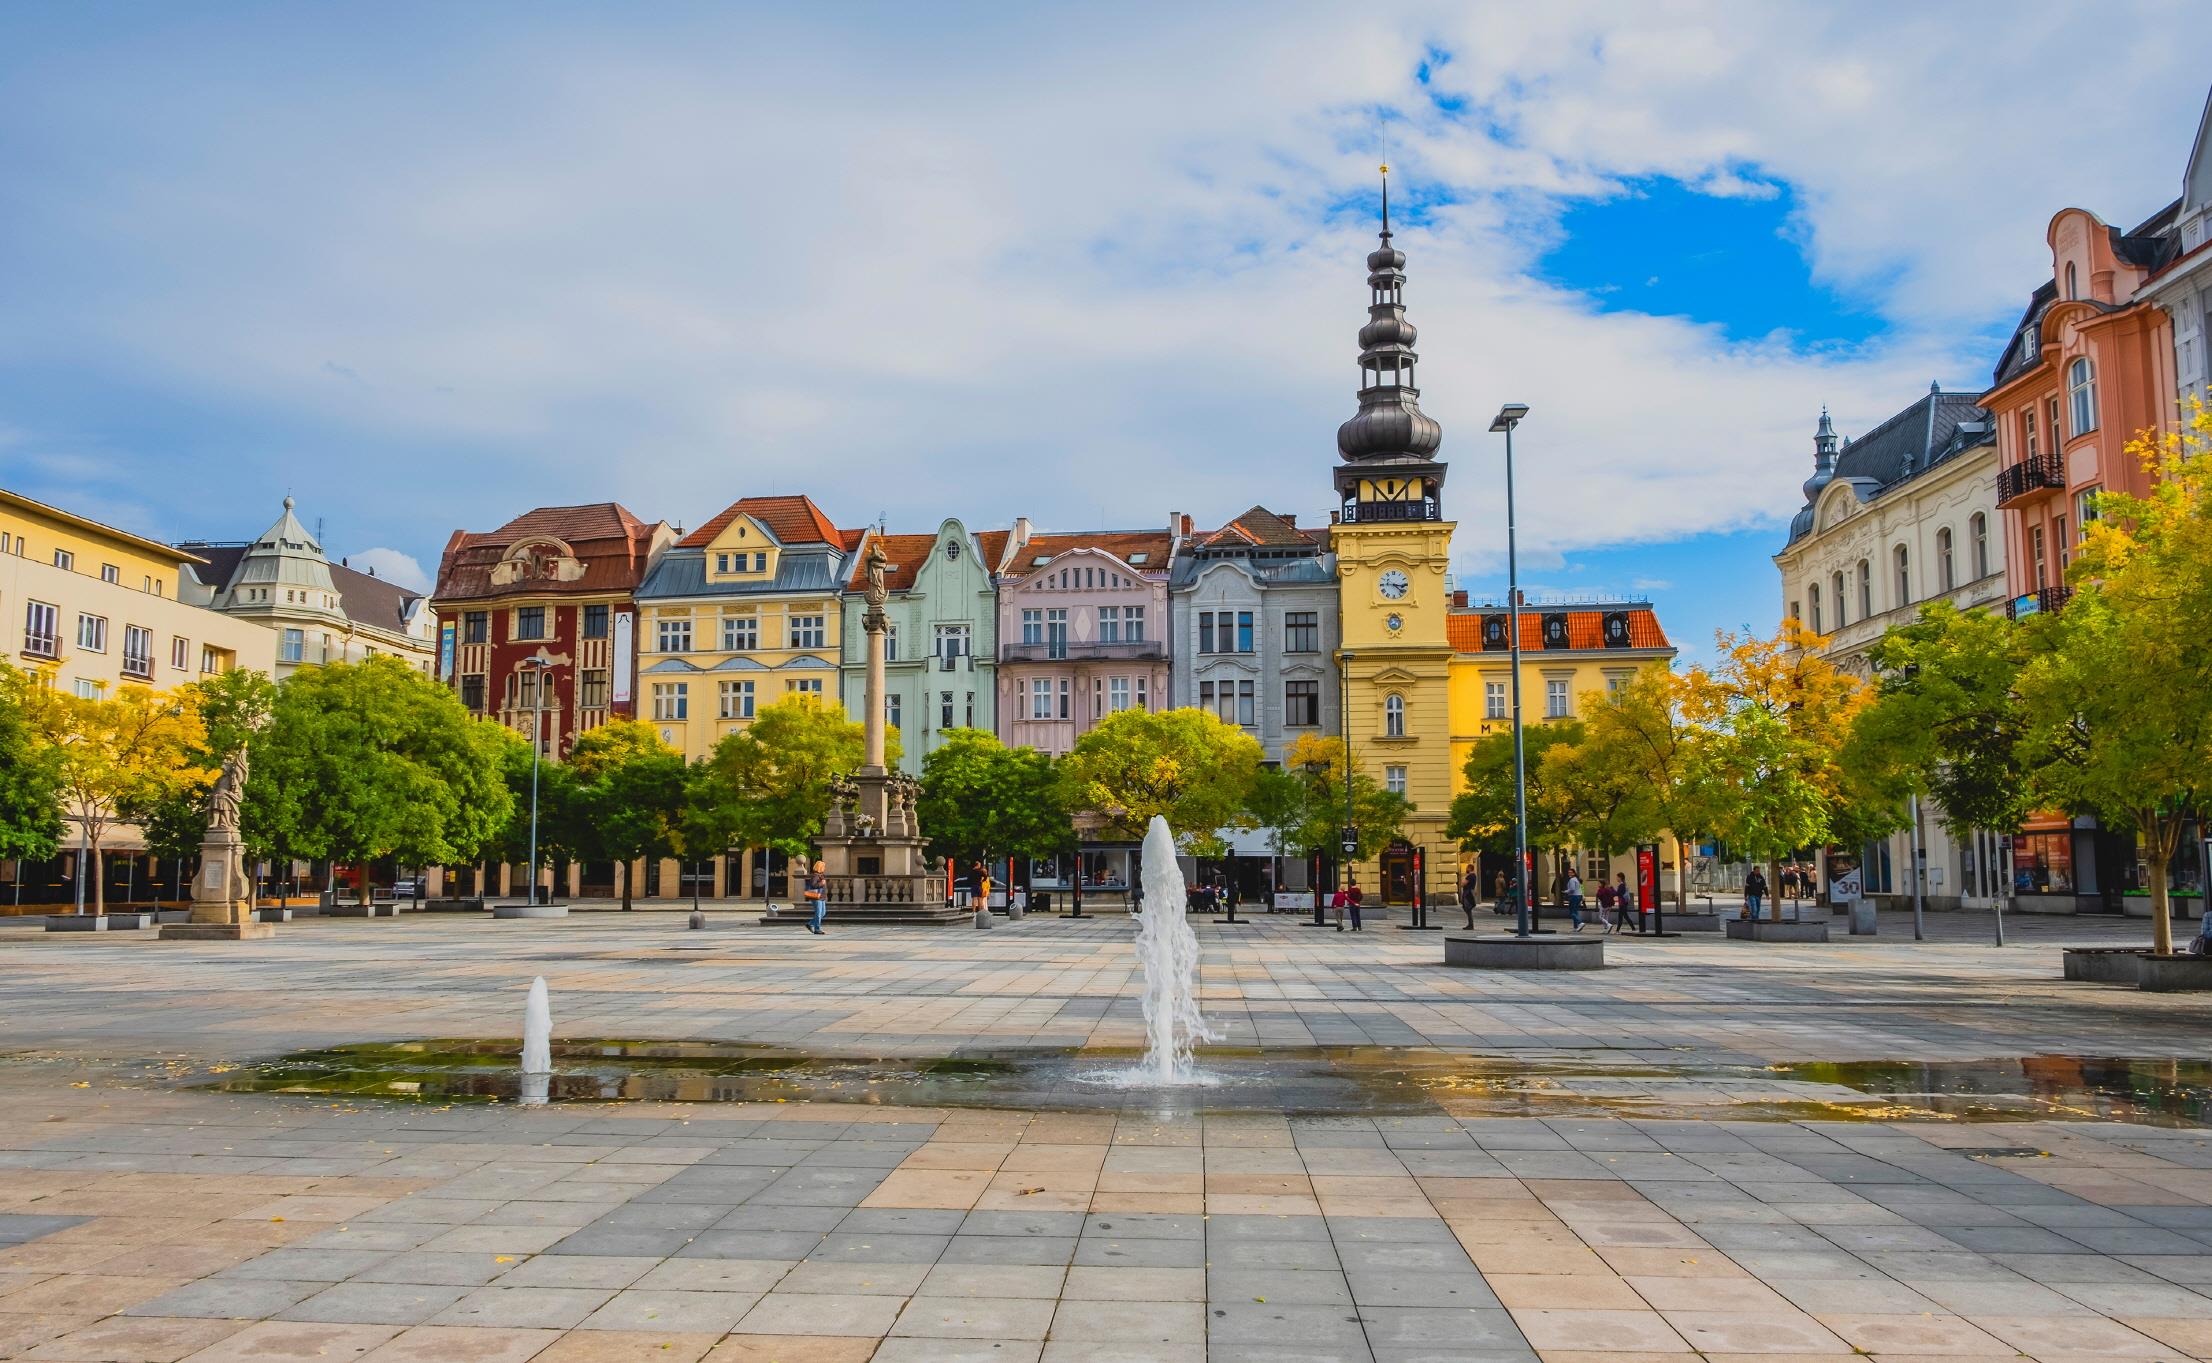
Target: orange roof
(1265, 528)
(1155, 545)
(593, 521)
(1585, 628)
(792, 520)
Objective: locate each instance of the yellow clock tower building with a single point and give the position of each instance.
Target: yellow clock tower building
(1393, 548)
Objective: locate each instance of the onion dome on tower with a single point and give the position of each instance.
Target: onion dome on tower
(1390, 434)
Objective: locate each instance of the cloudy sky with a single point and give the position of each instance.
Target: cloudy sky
(426, 266)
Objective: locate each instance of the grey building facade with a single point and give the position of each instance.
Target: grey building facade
(1254, 626)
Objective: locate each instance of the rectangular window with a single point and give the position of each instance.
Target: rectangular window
(1244, 631)
(2035, 556)
(1033, 626)
(969, 701)
(1143, 702)
(138, 651)
(1247, 709)
(1302, 704)
(890, 643)
(1109, 624)
(1493, 700)
(1132, 624)
(807, 631)
(1205, 631)
(891, 710)
(804, 686)
(1302, 632)
(1067, 710)
(595, 621)
(721, 563)
(591, 689)
(472, 693)
(737, 700)
(180, 652)
(2085, 506)
(523, 689)
(673, 636)
(760, 562)
(1555, 700)
(1394, 780)
(1056, 634)
(1615, 684)
(65, 560)
(1117, 695)
(110, 573)
(530, 622)
(88, 689)
(293, 647)
(1040, 698)
(671, 700)
(952, 642)
(740, 633)
(92, 633)
(2027, 430)
(211, 659)
(2065, 546)
(944, 709)
(476, 627)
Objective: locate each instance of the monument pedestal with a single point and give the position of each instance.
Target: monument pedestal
(218, 913)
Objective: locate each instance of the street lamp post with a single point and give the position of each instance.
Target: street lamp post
(1509, 416)
(544, 665)
(1319, 773)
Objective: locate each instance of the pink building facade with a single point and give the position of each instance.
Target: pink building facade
(1082, 633)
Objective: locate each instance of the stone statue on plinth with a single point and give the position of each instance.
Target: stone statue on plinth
(222, 904)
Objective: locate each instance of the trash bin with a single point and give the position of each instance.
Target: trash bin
(1041, 901)
(1862, 918)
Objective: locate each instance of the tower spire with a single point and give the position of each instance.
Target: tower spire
(1390, 423)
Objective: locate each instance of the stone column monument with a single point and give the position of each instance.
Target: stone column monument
(222, 906)
(871, 845)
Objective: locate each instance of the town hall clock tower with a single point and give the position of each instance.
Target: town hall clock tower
(1393, 549)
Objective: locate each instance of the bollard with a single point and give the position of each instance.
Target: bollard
(698, 919)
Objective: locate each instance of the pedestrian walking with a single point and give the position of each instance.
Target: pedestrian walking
(1470, 892)
(1338, 902)
(1605, 903)
(1352, 898)
(817, 892)
(1571, 891)
(1624, 902)
(1754, 892)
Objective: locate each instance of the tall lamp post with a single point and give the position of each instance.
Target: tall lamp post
(544, 665)
(1509, 416)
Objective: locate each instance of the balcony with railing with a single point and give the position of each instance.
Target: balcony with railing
(2041, 601)
(1084, 651)
(2032, 476)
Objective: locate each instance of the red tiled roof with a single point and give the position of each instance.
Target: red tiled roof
(991, 544)
(1585, 627)
(1264, 528)
(611, 544)
(907, 554)
(1155, 545)
(793, 520)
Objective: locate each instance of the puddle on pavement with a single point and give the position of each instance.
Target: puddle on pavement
(1300, 1081)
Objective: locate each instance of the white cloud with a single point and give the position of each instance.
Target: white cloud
(391, 565)
(1086, 266)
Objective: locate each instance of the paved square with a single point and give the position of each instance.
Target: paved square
(1668, 1158)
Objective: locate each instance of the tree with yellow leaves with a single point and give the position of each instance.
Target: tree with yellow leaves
(1776, 716)
(116, 753)
(1188, 766)
(2117, 690)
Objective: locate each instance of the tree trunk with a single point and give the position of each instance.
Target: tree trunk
(626, 885)
(2162, 833)
(95, 868)
(1774, 888)
(363, 893)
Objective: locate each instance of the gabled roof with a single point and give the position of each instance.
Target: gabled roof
(612, 545)
(909, 552)
(1262, 528)
(591, 521)
(372, 600)
(792, 520)
(1585, 629)
(1153, 545)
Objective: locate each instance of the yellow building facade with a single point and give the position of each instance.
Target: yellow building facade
(741, 613)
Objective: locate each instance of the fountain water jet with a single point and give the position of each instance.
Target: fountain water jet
(1168, 950)
(537, 1030)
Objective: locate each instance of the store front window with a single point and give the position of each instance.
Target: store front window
(2043, 863)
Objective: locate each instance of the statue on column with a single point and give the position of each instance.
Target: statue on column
(876, 565)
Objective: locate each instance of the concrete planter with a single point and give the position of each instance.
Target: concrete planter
(1691, 922)
(1767, 930)
(272, 913)
(1524, 953)
(128, 920)
(2174, 974)
(352, 909)
(1864, 922)
(2104, 965)
(216, 932)
(529, 910)
(76, 922)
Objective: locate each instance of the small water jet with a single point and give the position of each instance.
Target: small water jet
(1168, 950)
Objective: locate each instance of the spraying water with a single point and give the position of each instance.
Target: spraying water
(537, 1030)
(1168, 950)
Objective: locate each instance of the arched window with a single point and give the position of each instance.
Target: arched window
(2071, 291)
(1394, 716)
(1904, 577)
(1866, 589)
(1843, 612)
(1946, 573)
(1812, 598)
(2081, 387)
(1977, 530)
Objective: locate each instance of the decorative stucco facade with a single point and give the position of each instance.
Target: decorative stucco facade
(1254, 629)
(1082, 622)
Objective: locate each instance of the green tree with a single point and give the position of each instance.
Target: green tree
(2115, 688)
(1641, 734)
(1600, 805)
(1777, 716)
(233, 706)
(1482, 815)
(368, 760)
(774, 774)
(30, 776)
(709, 820)
(117, 754)
(627, 796)
(1187, 766)
(561, 831)
(981, 798)
(1302, 803)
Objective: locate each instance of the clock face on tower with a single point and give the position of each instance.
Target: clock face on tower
(1393, 584)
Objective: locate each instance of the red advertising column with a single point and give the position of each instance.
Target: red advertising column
(1647, 889)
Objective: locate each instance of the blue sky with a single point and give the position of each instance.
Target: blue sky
(425, 267)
